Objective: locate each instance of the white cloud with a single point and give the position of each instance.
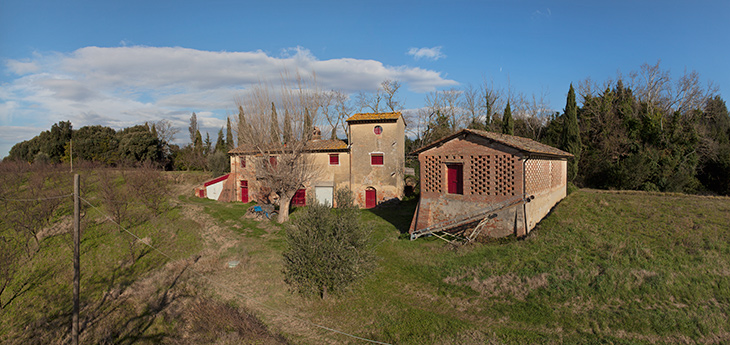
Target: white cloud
(427, 53)
(21, 68)
(123, 86)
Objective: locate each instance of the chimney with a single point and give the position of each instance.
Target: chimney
(316, 134)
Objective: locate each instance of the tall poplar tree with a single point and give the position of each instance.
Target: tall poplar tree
(570, 140)
(508, 124)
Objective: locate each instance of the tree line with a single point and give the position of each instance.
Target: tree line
(644, 130)
(641, 131)
(139, 144)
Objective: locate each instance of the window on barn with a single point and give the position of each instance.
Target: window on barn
(300, 198)
(378, 130)
(272, 161)
(243, 162)
(455, 178)
(334, 159)
(376, 159)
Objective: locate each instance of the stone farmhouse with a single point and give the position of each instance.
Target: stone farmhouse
(370, 163)
(493, 183)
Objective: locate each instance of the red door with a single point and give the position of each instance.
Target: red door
(455, 178)
(244, 191)
(370, 198)
(300, 198)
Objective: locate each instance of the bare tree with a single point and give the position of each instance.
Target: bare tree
(492, 101)
(369, 101)
(471, 108)
(335, 109)
(536, 115)
(389, 90)
(165, 131)
(281, 167)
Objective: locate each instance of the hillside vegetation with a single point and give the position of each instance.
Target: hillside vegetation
(603, 267)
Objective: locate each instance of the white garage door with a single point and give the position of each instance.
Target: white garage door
(324, 195)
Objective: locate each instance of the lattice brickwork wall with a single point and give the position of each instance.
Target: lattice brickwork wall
(557, 174)
(480, 179)
(504, 174)
(538, 175)
(432, 176)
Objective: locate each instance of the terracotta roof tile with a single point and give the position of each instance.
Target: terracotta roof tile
(313, 146)
(520, 143)
(374, 116)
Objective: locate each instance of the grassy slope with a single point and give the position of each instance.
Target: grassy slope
(603, 267)
(129, 294)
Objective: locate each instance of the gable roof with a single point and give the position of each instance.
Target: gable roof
(375, 117)
(523, 144)
(311, 146)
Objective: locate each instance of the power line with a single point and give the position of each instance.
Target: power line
(231, 290)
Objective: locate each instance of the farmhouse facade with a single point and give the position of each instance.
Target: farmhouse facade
(494, 183)
(370, 163)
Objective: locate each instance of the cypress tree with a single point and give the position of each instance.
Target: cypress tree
(229, 135)
(508, 125)
(220, 143)
(570, 140)
(198, 142)
(287, 127)
(274, 125)
(307, 124)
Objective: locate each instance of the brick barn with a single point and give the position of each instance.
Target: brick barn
(500, 184)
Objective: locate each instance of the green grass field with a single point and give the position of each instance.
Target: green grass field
(603, 267)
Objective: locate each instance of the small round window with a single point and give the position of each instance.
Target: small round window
(378, 130)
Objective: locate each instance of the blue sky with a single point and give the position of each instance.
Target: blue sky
(120, 63)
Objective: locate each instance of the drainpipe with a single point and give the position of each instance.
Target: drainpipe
(349, 155)
(525, 198)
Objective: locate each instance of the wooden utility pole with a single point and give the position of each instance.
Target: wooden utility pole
(77, 266)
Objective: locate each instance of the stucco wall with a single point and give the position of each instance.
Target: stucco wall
(547, 181)
(387, 179)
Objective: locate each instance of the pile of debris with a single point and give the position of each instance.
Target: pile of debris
(261, 212)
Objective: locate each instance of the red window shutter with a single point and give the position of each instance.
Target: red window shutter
(376, 159)
(455, 178)
(334, 159)
(243, 162)
(272, 161)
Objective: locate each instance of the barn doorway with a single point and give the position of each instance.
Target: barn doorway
(371, 197)
(455, 178)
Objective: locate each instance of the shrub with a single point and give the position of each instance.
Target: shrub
(328, 249)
